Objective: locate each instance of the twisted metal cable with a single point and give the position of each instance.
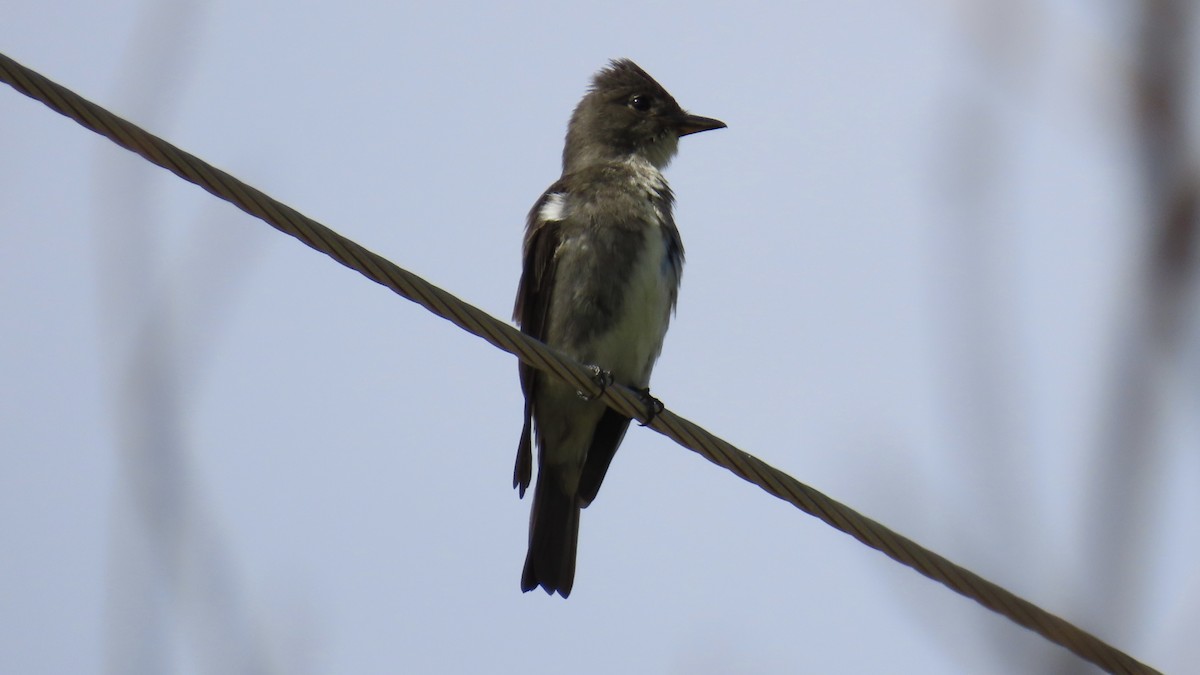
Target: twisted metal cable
(626, 401)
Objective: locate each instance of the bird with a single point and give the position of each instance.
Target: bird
(602, 261)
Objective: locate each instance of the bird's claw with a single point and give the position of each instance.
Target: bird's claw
(602, 378)
(653, 406)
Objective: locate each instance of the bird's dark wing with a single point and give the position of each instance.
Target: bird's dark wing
(542, 238)
(607, 437)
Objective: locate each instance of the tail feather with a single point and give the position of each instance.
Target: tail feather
(553, 535)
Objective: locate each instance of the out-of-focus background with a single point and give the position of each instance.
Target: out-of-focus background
(942, 266)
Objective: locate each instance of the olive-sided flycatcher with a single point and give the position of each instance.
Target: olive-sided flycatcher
(602, 261)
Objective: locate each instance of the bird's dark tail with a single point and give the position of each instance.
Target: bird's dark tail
(553, 535)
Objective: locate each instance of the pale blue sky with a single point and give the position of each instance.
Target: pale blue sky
(346, 457)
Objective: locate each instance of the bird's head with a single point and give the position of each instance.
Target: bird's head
(627, 114)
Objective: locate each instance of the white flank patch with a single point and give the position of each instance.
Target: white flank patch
(552, 210)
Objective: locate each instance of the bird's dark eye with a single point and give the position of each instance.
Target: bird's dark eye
(640, 102)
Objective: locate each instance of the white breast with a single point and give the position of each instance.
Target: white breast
(632, 346)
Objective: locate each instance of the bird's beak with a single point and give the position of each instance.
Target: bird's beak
(692, 124)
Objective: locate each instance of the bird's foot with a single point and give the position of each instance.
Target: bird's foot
(653, 406)
(602, 378)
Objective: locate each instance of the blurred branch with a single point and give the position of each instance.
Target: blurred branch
(981, 353)
(168, 572)
(1129, 451)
